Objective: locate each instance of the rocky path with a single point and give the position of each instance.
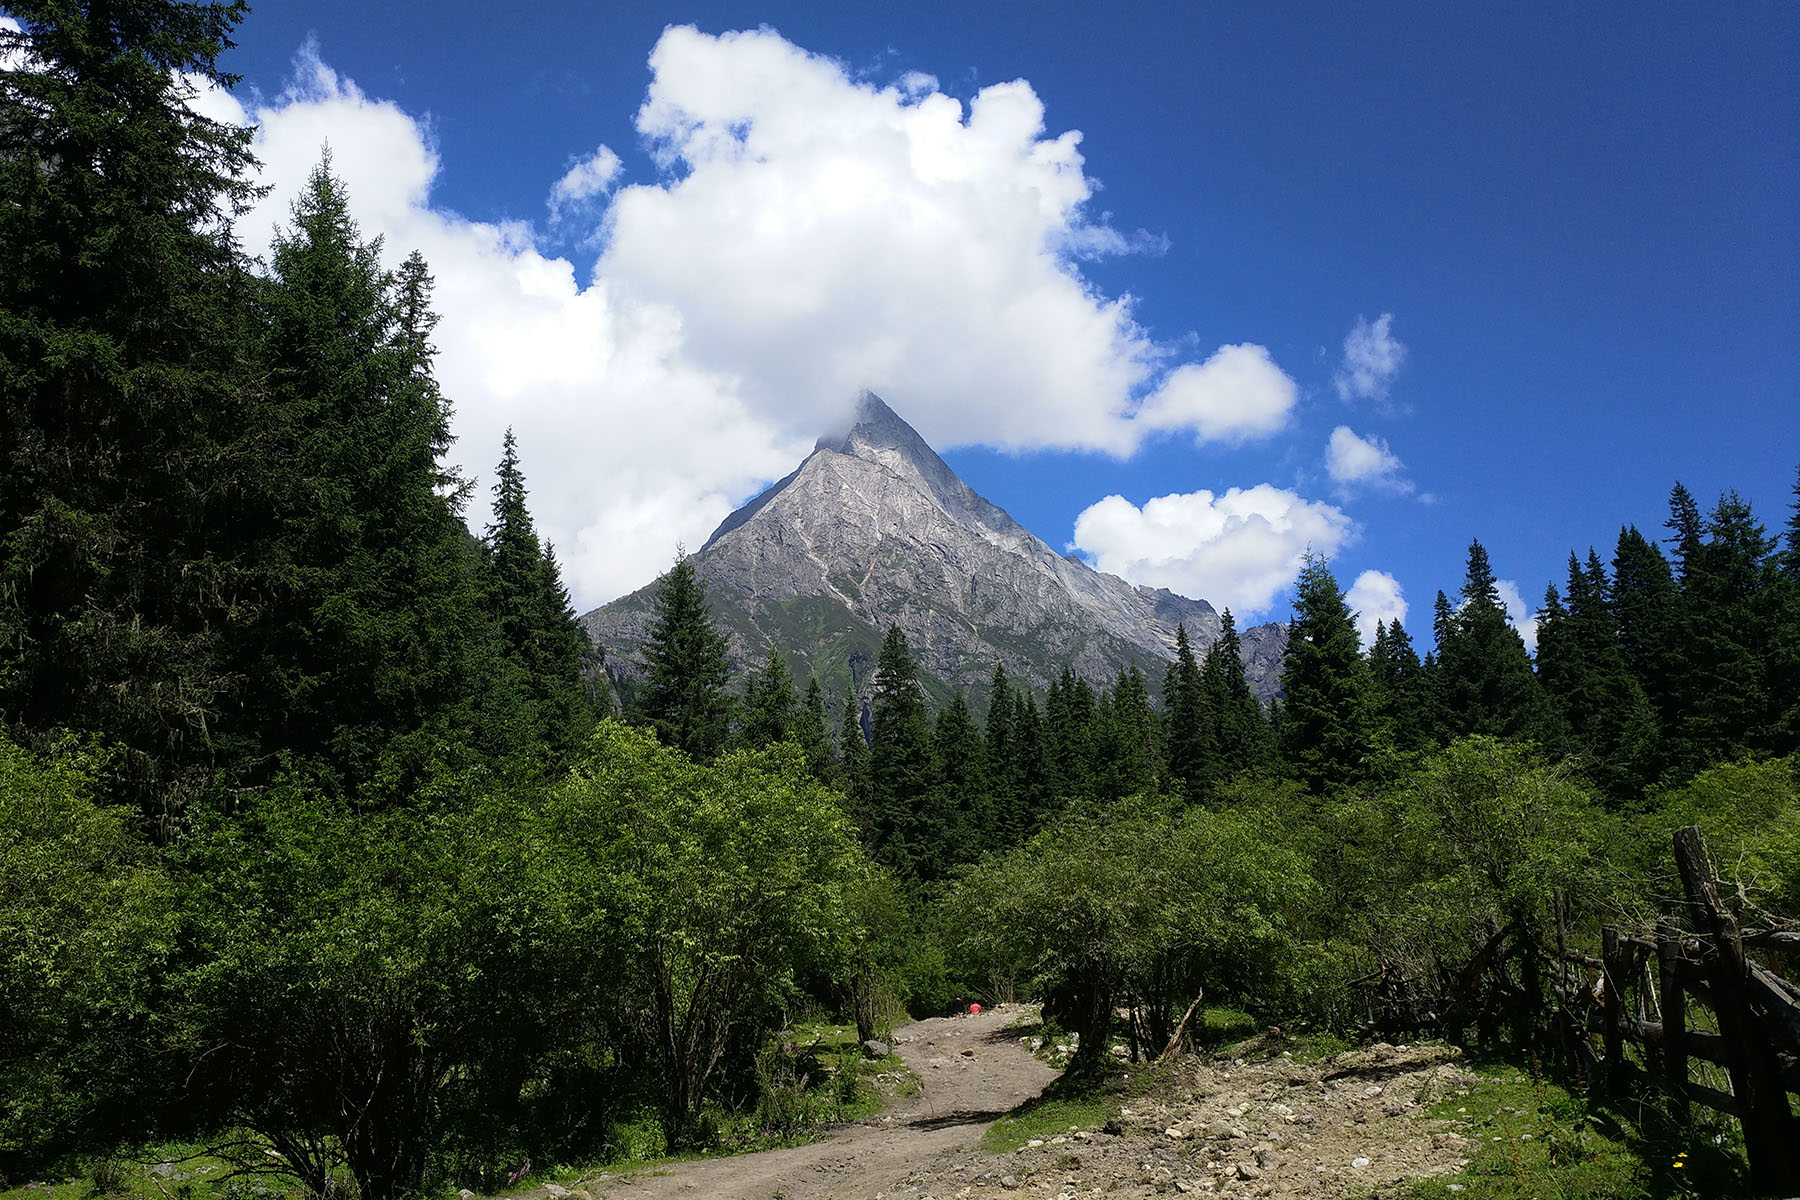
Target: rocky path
(1351, 1125)
(1264, 1125)
(972, 1070)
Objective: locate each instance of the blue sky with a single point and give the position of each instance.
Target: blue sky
(1567, 232)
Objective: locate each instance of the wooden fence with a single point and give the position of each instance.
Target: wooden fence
(1651, 991)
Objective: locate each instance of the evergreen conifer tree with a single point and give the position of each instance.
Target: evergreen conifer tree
(1326, 731)
(127, 465)
(1032, 788)
(1724, 699)
(1237, 733)
(1582, 668)
(1070, 711)
(950, 836)
(684, 696)
(1646, 611)
(1397, 702)
(899, 756)
(771, 713)
(1128, 757)
(1184, 706)
(1488, 684)
(811, 733)
(998, 823)
(369, 657)
(1784, 637)
(852, 768)
(543, 643)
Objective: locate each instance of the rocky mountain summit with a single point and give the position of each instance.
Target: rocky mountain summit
(875, 529)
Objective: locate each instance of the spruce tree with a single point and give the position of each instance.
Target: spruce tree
(368, 661)
(1646, 611)
(127, 402)
(851, 773)
(1326, 731)
(684, 658)
(1582, 668)
(1784, 636)
(1488, 686)
(997, 822)
(899, 757)
(811, 733)
(1070, 724)
(1184, 706)
(1237, 733)
(771, 713)
(542, 640)
(1724, 699)
(1397, 700)
(1128, 755)
(1034, 796)
(949, 835)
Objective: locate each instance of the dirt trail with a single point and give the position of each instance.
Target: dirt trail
(1250, 1123)
(973, 1070)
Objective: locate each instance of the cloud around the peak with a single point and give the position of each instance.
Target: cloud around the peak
(1372, 360)
(805, 234)
(1375, 598)
(1239, 549)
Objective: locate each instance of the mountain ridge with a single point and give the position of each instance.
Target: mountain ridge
(874, 528)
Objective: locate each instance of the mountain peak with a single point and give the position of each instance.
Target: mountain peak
(874, 529)
(876, 426)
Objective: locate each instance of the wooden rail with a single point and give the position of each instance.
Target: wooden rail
(1648, 985)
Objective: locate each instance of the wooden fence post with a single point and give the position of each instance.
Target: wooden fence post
(1769, 1130)
(1674, 1018)
(1612, 978)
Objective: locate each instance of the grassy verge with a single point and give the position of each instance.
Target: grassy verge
(813, 1077)
(172, 1171)
(1535, 1138)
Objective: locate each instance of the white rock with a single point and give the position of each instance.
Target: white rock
(1359, 1163)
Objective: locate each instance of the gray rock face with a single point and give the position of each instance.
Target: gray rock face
(875, 529)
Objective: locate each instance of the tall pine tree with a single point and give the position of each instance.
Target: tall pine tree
(127, 465)
(1488, 686)
(544, 647)
(1325, 722)
(369, 659)
(684, 697)
(899, 757)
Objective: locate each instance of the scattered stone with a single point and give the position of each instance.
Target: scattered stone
(1359, 1162)
(1248, 1171)
(875, 1049)
(555, 1191)
(1009, 1182)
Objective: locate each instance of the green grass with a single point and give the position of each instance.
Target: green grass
(1535, 1138)
(1046, 1118)
(193, 1175)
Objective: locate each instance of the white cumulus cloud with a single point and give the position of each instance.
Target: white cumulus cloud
(1237, 394)
(589, 177)
(809, 234)
(1239, 549)
(1372, 358)
(1376, 598)
(1523, 616)
(1354, 461)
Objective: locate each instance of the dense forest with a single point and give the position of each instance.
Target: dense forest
(321, 832)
